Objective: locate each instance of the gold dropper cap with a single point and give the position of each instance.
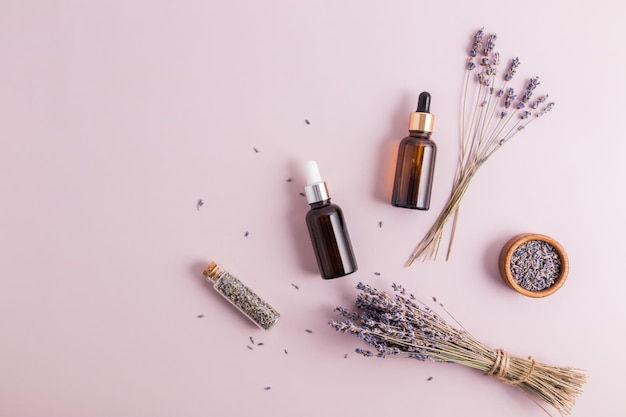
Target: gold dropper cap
(421, 120)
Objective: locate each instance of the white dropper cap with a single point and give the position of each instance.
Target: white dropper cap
(315, 189)
(312, 173)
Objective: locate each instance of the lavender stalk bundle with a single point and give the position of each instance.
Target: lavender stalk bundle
(401, 326)
(490, 116)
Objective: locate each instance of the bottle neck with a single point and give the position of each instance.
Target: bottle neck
(420, 134)
(316, 192)
(319, 204)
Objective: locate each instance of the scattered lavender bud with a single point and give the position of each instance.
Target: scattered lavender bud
(377, 273)
(289, 179)
(307, 121)
(295, 286)
(267, 388)
(430, 378)
(246, 234)
(251, 340)
(345, 356)
(286, 353)
(199, 204)
(309, 331)
(260, 344)
(249, 347)
(435, 299)
(380, 225)
(302, 194)
(256, 150)
(200, 316)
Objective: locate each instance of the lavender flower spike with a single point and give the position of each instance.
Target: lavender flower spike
(510, 96)
(512, 69)
(478, 38)
(491, 43)
(532, 84)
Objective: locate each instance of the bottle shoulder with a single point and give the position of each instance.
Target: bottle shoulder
(323, 210)
(423, 140)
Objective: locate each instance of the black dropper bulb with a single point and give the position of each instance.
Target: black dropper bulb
(423, 103)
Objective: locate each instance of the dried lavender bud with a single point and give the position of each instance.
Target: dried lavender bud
(289, 179)
(286, 353)
(535, 265)
(380, 225)
(309, 331)
(251, 340)
(256, 150)
(199, 204)
(200, 316)
(377, 273)
(246, 234)
(249, 347)
(430, 378)
(295, 286)
(307, 121)
(267, 388)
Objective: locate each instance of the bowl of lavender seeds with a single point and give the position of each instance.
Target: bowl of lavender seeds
(534, 265)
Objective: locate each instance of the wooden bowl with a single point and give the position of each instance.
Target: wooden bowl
(505, 264)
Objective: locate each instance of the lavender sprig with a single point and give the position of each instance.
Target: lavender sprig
(401, 326)
(490, 117)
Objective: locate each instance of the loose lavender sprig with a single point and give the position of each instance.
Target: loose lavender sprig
(490, 116)
(402, 326)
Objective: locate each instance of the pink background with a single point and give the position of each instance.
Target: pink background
(117, 116)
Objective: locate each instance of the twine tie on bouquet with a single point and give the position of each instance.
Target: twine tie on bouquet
(500, 368)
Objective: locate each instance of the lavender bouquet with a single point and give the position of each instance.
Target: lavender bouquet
(401, 326)
(491, 114)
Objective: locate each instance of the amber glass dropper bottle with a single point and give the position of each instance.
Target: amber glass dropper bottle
(416, 160)
(327, 228)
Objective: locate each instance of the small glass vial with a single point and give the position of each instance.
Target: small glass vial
(327, 228)
(242, 297)
(416, 160)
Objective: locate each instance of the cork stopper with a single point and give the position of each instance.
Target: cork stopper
(213, 271)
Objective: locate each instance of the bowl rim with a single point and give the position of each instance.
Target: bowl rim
(507, 253)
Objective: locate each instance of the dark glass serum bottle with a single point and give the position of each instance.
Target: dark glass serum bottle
(327, 228)
(416, 160)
